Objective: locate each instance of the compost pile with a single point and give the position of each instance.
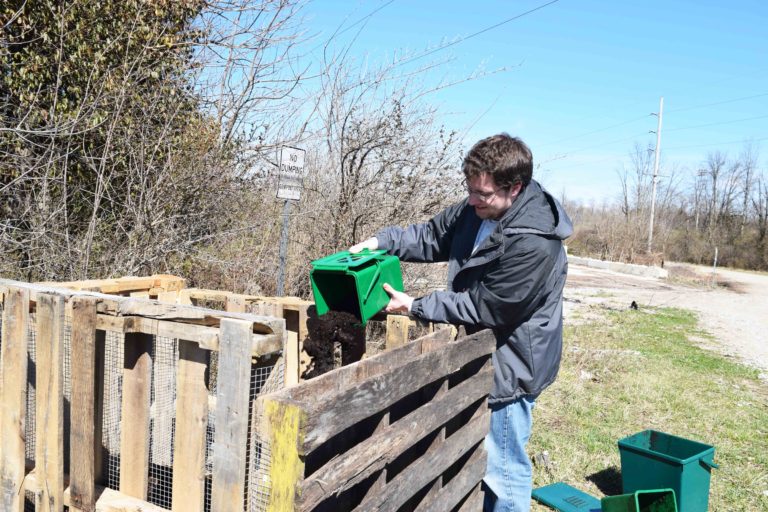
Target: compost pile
(335, 328)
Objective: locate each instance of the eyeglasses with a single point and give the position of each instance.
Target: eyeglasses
(483, 196)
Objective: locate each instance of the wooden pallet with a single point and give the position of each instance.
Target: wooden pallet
(292, 309)
(235, 337)
(404, 429)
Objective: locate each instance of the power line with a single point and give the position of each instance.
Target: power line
(338, 32)
(668, 130)
(734, 100)
(362, 19)
(582, 164)
(616, 158)
(569, 153)
(716, 124)
(462, 39)
(598, 130)
(718, 143)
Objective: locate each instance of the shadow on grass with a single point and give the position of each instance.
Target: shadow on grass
(607, 480)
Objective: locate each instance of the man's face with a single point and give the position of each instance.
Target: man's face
(490, 201)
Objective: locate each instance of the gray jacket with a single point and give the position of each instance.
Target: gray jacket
(513, 284)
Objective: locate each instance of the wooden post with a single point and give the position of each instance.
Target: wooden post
(13, 393)
(283, 424)
(134, 422)
(85, 443)
(231, 431)
(291, 357)
(49, 424)
(397, 331)
(191, 423)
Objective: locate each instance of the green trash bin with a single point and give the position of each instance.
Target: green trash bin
(657, 500)
(654, 460)
(353, 282)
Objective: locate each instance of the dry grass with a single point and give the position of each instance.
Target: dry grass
(632, 370)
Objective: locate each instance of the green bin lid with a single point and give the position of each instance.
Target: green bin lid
(345, 260)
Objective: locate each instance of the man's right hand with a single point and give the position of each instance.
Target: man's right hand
(371, 244)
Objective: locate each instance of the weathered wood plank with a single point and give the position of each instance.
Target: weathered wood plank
(291, 354)
(13, 397)
(207, 337)
(328, 417)
(191, 423)
(135, 418)
(373, 454)
(160, 282)
(231, 425)
(473, 502)
(109, 500)
(234, 303)
(397, 331)
(265, 308)
(466, 481)
(428, 467)
(49, 424)
(168, 297)
(184, 297)
(283, 425)
(347, 376)
(84, 419)
(440, 437)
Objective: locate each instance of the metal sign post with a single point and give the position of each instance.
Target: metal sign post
(289, 184)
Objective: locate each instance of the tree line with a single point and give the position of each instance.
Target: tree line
(720, 205)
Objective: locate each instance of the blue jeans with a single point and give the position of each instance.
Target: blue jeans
(507, 478)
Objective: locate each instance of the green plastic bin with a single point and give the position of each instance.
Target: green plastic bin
(658, 500)
(654, 460)
(353, 282)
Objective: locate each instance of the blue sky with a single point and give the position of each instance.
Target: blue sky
(583, 76)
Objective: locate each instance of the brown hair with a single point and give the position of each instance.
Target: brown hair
(507, 159)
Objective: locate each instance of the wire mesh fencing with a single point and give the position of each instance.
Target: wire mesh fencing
(267, 374)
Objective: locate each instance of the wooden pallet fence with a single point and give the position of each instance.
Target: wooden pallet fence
(402, 430)
(68, 331)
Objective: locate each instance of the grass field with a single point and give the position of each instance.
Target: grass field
(629, 371)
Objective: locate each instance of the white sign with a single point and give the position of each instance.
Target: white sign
(291, 173)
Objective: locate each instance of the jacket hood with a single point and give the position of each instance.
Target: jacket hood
(536, 211)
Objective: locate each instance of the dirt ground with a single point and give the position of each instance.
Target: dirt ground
(735, 311)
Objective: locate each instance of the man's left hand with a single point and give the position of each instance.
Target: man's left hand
(399, 302)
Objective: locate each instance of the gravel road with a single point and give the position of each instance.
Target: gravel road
(735, 312)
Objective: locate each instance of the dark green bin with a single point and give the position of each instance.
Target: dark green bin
(657, 500)
(353, 282)
(654, 460)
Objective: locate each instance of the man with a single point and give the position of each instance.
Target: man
(506, 272)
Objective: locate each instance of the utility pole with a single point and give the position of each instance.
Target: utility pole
(655, 172)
